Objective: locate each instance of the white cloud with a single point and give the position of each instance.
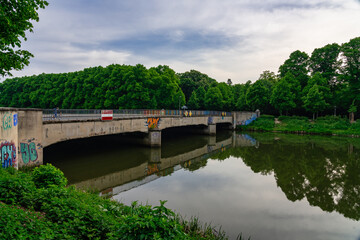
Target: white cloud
(224, 39)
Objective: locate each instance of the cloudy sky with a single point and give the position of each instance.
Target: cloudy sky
(236, 39)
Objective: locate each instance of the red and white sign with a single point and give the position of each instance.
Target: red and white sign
(106, 115)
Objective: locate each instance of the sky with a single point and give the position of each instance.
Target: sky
(227, 39)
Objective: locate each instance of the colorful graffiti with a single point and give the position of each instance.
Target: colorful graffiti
(15, 118)
(8, 154)
(7, 121)
(153, 123)
(28, 152)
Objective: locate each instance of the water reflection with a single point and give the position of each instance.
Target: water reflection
(325, 171)
(233, 180)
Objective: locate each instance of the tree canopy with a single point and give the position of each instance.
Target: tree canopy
(15, 20)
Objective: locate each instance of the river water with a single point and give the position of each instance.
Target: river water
(267, 186)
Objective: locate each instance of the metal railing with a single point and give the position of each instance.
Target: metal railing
(95, 114)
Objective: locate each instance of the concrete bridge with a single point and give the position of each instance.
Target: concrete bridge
(25, 132)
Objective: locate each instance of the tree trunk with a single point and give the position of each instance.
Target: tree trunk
(313, 116)
(351, 117)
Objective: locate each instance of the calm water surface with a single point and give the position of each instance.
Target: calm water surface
(267, 186)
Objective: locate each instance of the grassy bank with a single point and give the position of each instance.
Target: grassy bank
(38, 205)
(323, 125)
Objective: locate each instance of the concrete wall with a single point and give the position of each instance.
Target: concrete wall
(63, 131)
(30, 138)
(20, 137)
(9, 143)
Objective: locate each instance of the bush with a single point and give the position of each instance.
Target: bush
(47, 175)
(18, 223)
(15, 187)
(146, 222)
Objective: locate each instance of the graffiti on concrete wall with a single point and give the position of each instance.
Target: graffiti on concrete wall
(8, 154)
(28, 152)
(9, 120)
(153, 123)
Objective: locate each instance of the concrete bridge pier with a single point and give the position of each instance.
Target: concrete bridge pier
(210, 129)
(153, 138)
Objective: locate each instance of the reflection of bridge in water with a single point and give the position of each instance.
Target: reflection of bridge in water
(157, 166)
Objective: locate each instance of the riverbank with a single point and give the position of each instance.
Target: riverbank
(38, 205)
(328, 125)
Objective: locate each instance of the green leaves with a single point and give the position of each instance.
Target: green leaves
(15, 19)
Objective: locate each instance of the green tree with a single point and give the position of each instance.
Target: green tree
(314, 100)
(325, 61)
(228, 97)
(257, 96)
(297, 65)
(282, 98)
(214, 99)
(351, 69)
(192, 80)
(15, 20)
(200, 94)
(240, 96)
(193, 102)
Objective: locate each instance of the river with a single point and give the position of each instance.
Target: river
(267, 186)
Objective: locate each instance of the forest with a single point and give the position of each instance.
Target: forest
(324, 83)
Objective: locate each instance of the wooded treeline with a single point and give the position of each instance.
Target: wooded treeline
(328, 80)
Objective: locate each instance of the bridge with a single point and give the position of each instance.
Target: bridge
(25, 132)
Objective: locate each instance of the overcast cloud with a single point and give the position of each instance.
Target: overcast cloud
(236, 39)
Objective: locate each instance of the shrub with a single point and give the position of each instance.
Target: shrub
(146, 222)
(46, 175)
(15, 187)
(18, 223)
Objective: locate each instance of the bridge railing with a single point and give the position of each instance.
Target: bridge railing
(95, 114)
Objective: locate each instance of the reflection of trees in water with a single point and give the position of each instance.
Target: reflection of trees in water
(329, 177)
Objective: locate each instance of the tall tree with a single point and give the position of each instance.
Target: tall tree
(282, 98)
(15, 20)
(325, 61)
(257, 96)
(351, 58)
(214, 99)
(193, 102)
(297, 65)
(192, 80)
(314, 100)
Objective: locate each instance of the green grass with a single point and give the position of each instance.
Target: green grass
(296, 124)
(37, 205)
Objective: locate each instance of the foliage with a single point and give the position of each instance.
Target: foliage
(326, 83)
(47, 175)
(296, 124)
(297, 66)
(146, 222)
(54, 211)
(314, 100)
(16, 19)
(257, 96)
(214, 99)
(282, 97)
(19, 223)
